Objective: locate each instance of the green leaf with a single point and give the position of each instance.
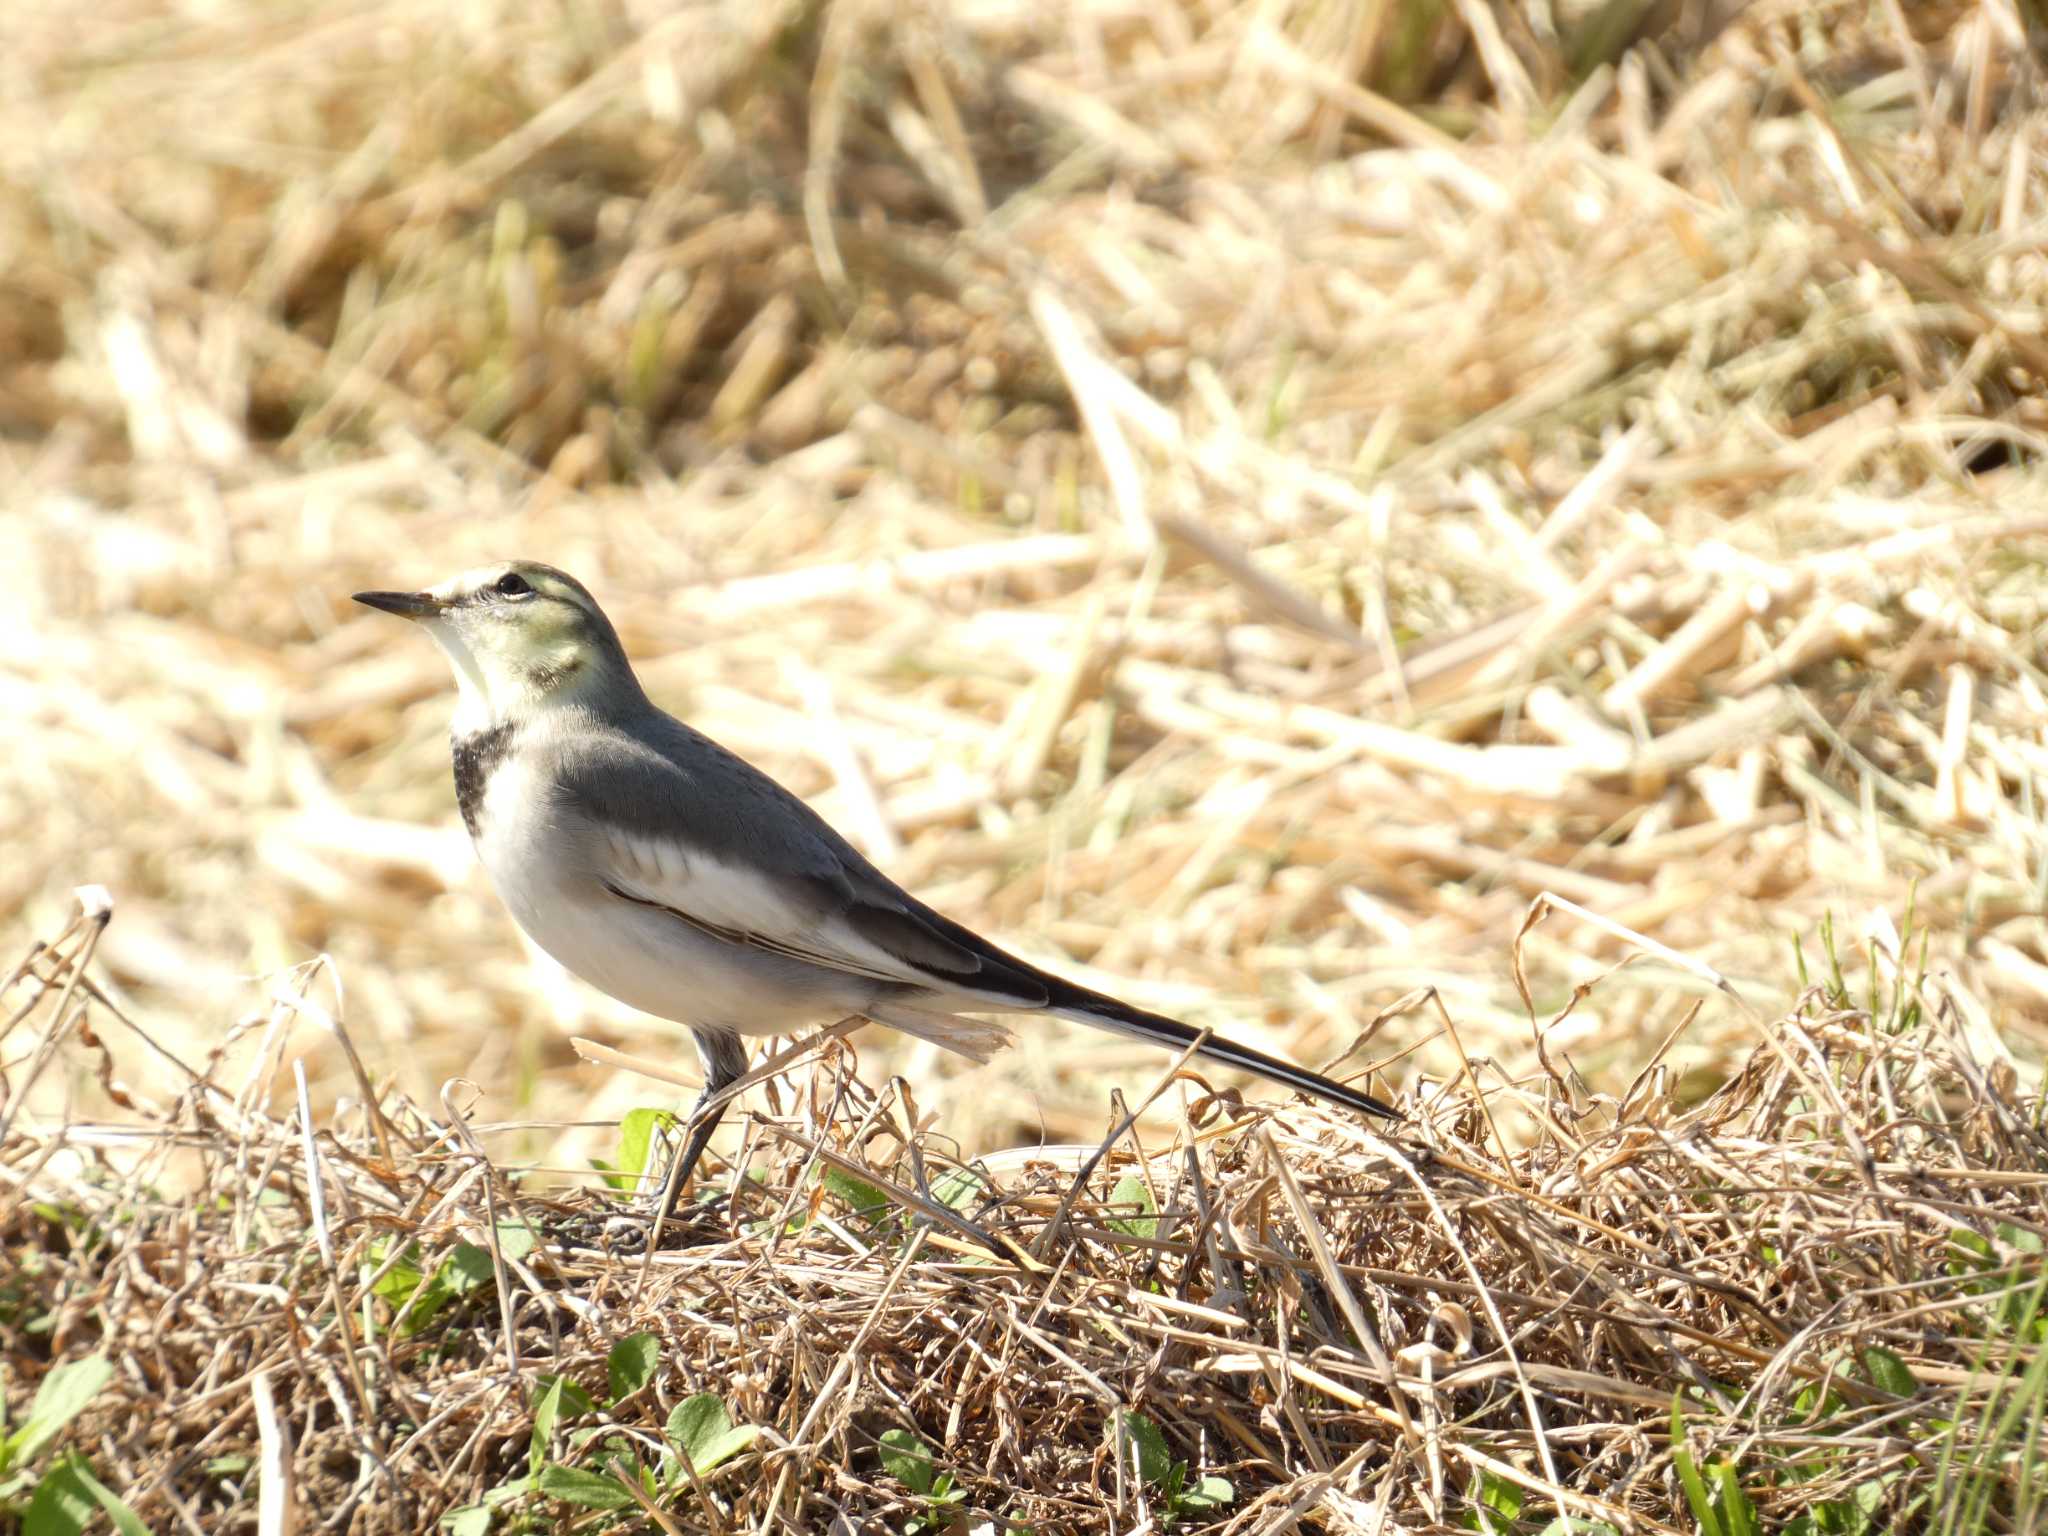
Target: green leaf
(1737, 1513)
(1689, 1477)
(701, 1429)
(515, 1241)
(572, 1402)
(1857, 1514)
(1136, 1432)
(864, 1197)
(2025, 1240)
(547, 1409)
(61, 1506)
(593, 1490)
(959, 1188)
(637, 1133)
(404, 1282)
(471, 1520)
(630, 1365)
(1500, 1495)
(1131, 1192)
(1889, 1372)
(467, 1268)
(126, 1521)
(68, 1497)
(1813, 1403)
(1209, 1493)
(1970, 1247)
(518, 1488)
(397, 1283)
(64, 1395)
(905, 1458)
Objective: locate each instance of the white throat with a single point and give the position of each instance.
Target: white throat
(477, 707)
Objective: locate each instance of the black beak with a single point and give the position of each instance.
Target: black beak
(407, 605)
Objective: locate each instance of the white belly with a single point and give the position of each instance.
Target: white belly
(646, 958)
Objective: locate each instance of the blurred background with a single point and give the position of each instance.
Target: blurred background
(1231, 499)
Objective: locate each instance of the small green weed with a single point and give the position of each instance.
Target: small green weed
(907, 1459)
(1132, 1193)
(639, 1131)
(698, 1437)
(1992, 1473)
(1817, 1410)
(1714, 1493)
(65, 1497)
(418, 1299)
(1143, 1448)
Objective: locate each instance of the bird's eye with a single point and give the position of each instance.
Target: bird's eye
(511, 584)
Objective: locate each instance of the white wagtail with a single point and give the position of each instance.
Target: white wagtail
(662, 869)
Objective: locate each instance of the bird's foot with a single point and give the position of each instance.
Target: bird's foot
(690, 1225)
(626, 1230)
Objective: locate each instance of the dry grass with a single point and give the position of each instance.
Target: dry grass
(1830, 1261)
(1234, 501)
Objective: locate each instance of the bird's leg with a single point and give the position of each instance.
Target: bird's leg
(725, 1063)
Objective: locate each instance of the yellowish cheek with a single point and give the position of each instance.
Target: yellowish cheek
(526, 645)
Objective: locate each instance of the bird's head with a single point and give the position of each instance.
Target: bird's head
(523, 638)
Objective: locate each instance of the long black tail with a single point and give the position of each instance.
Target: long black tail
(1085, 1007)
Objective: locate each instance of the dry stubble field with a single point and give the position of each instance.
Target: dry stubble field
(1503, 545)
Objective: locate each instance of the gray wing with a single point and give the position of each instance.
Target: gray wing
(682, 824)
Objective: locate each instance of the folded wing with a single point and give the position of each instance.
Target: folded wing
(718, 845)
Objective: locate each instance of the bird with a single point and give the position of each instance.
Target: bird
(668, 872)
